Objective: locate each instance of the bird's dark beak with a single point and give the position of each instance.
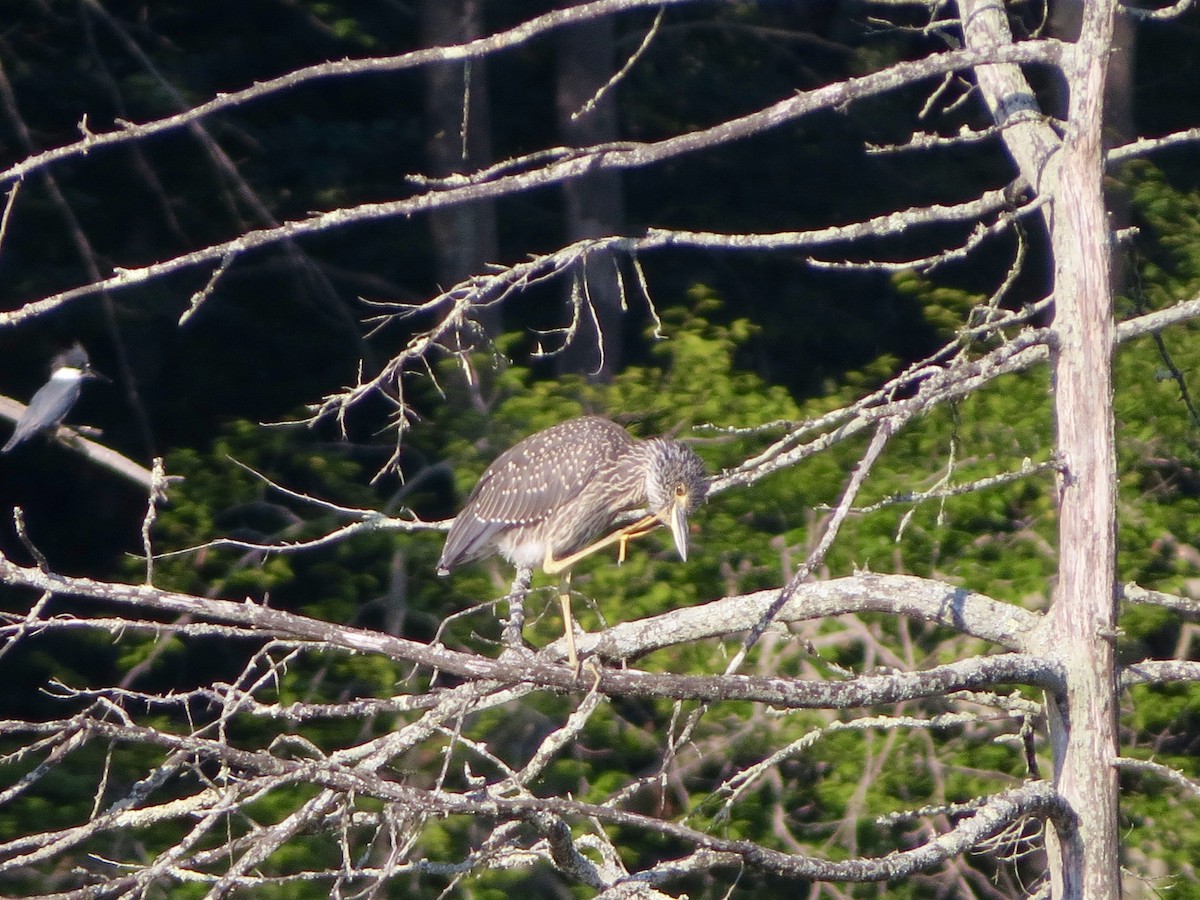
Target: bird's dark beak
(89, 372)
(675, 518)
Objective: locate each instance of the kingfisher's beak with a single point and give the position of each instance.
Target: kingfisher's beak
(91, 373)
(675, 517)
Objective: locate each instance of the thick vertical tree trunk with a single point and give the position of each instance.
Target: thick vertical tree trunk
(1082, 621)
(1079, 629)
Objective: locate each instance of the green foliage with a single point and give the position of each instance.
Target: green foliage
(1158, 431)
(745, 536)
(999, 540)
(336, 142)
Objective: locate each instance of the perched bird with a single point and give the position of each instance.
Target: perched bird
(544, 499)
(55, 398)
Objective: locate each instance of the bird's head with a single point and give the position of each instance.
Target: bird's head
(676, 483)
(73, 365)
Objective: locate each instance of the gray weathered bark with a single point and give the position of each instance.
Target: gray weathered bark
(1078, 631)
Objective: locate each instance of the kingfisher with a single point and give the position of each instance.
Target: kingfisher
(55, 398)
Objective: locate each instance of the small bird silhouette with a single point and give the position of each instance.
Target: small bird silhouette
(55, 398)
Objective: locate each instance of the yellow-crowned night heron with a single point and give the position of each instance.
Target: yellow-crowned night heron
(544, 499)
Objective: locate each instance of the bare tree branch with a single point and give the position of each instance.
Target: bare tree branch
(477, 49)
(91, 450)
(581, 163)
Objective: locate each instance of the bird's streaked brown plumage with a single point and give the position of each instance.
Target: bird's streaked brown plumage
(545, 499)
(549, 495)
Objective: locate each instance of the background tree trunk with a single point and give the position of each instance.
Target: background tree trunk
(594, 206)
(459, 140)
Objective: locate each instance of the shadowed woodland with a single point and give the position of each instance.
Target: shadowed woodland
(918, 282)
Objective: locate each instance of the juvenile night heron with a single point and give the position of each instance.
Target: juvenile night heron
(543, 500)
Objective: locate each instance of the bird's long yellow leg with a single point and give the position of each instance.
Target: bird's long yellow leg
(564, 600)
(621, 536)
(635, 530)
(552, 566)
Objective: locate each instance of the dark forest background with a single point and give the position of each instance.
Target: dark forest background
(750, 337)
